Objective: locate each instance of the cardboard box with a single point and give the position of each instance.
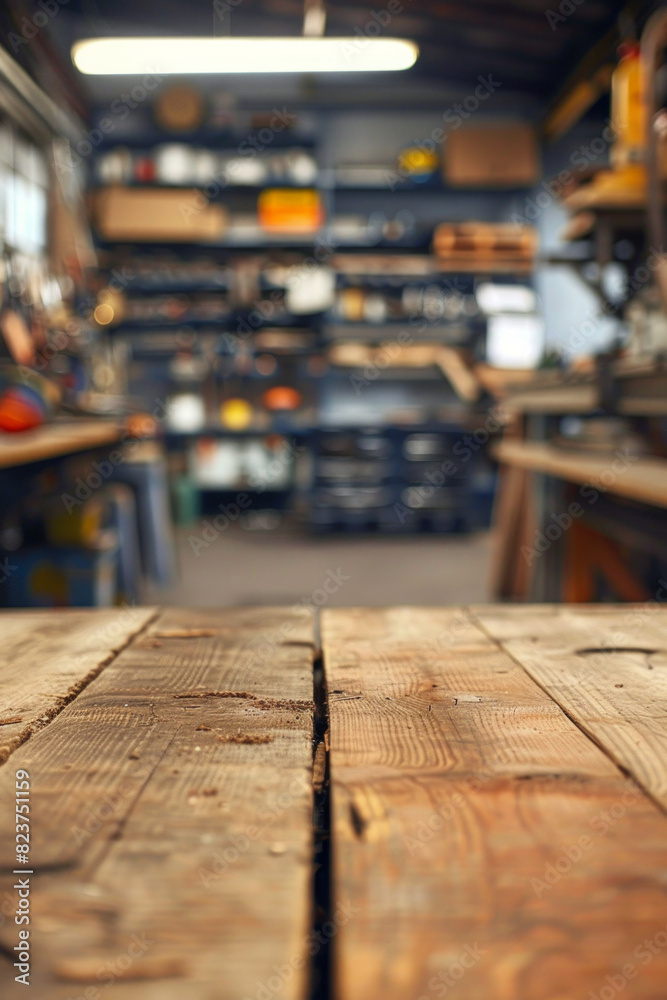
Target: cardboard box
(485, 240)
(492, 156)
(157, 215)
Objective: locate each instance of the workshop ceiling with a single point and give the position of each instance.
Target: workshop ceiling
(530, 46)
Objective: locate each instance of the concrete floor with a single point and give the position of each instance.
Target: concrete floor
(289, 567)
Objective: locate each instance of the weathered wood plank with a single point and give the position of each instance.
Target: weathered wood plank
(52, 440)
(643, 479)
(46, 658)
(607, 668)
(172, 820)
(486, 844)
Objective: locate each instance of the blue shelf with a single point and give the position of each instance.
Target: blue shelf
(287, 242)
(229, 324)
(304, 430)
(174, 287)
(224, 186)
(285, 430)
(434, 185)
(221, 140)
(145, 325)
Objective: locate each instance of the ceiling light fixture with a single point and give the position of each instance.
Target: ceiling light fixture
(113, 56)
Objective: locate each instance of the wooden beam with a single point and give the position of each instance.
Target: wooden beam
(576, 102)
(642, 479)
(588, 80)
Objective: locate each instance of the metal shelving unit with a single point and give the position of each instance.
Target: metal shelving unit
(452, 511)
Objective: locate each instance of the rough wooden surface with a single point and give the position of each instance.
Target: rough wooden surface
(47, 658)
(487, 845)
(486, 842)
(53, 440)
(606, 668)
(171, 817)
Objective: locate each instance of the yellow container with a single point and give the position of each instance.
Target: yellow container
(628, 114)
(236, 414)
(417, 162)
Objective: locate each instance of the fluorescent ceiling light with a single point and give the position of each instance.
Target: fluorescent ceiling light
(102, 56)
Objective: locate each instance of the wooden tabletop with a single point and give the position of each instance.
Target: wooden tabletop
(493, 784)
(639, 390)
(53, 440)
(618, 472)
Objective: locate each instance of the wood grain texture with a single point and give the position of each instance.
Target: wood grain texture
(171, 816)
(53, 440)
(460, 796)
(47, 657)
(607, 668)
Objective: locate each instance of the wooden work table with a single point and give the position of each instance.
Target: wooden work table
(630, 387)
(55, 440)
(638, 478)
(496, 779)
(621, 497)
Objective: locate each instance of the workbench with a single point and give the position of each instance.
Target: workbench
(56, 440)
(635, 477)
(611, 547)
(629, 387)
(486, 803)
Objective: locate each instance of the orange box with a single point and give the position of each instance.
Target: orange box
(290, 209)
